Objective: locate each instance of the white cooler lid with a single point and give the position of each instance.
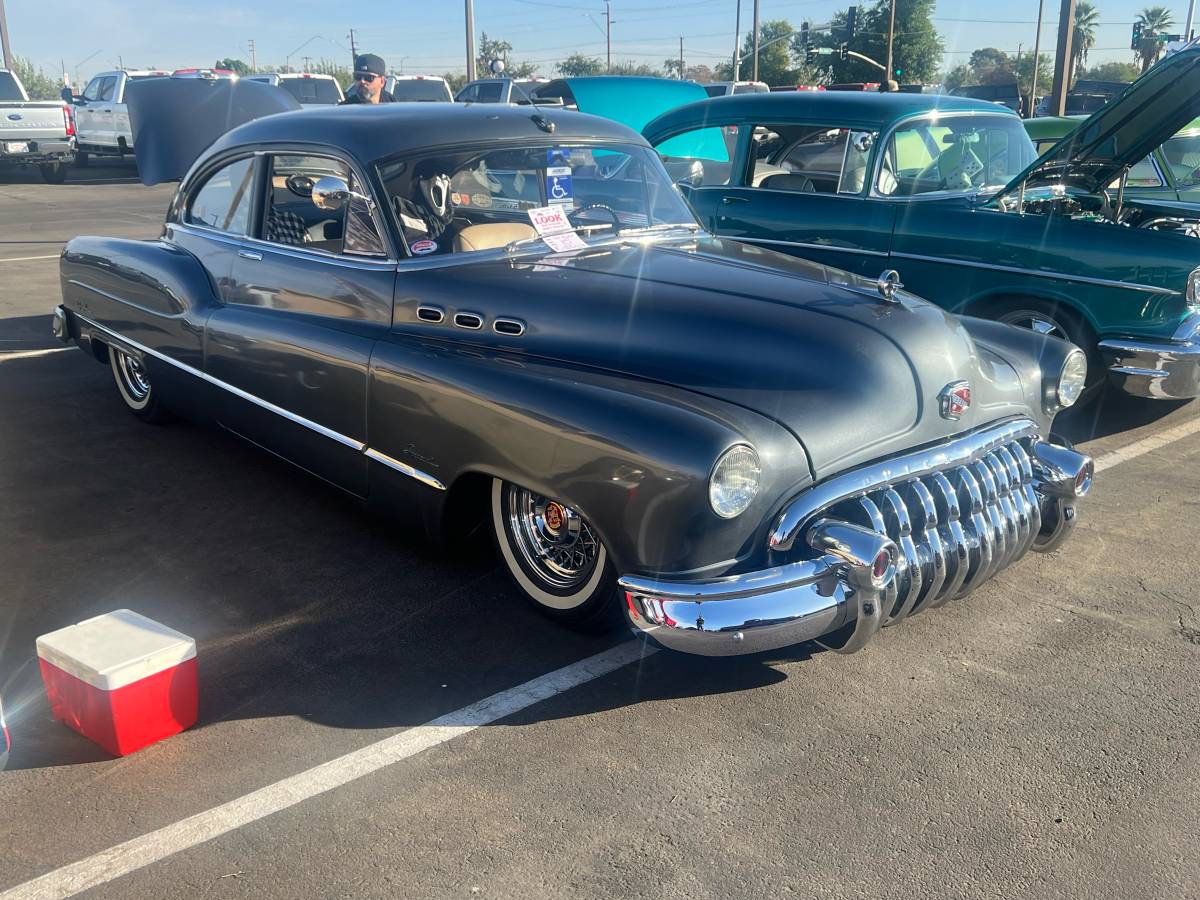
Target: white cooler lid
(115, 649)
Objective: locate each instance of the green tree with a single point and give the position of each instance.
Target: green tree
(774, 53)
(234, 65)
(1045, 74)
(490, 49)
(341, 74)
(991, 66)
(1155, 20)
(1111, 71)
(916, 49)
(631, 68)
(1083, 37)
(456, 80)
(577, 65)
(38, 84)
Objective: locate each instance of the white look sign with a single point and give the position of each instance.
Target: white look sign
(551, 224)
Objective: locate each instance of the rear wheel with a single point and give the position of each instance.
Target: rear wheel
(135, 388)
(53, 173)
(555, 558)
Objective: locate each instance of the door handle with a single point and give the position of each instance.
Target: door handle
(729, 201)
(249, 254)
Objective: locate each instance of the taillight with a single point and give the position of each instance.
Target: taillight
(68, 120)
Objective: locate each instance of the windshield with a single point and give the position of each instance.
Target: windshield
(954, 155)
(1182, 153)
(8, 87)
(418, 90)
(312, 90)
(482, 198)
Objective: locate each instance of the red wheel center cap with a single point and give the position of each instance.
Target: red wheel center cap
(554, 516)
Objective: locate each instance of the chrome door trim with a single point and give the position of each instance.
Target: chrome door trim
(1017, 270)
(320, 429)
(752, 240)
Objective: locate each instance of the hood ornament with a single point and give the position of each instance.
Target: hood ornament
(955, 399)
(889, 281)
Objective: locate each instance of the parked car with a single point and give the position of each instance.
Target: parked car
(309, 88)
(35, 132)
(500, 90)
(947, 190)
(726, 88)
(1087, 97)
(731, 448)
(205, 73)
(418, 88)
(1008, 94)
(1171, 172)
(102, 117)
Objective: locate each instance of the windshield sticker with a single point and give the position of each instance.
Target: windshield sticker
(484, 200)
(552, 224)
(506, 203)
(558, 185)
(423, 248)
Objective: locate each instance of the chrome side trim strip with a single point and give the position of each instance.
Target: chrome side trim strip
(807, 246)
(1017, 270)
(342, 439)
(423, 477)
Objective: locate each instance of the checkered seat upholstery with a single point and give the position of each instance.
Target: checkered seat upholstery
(285, 227)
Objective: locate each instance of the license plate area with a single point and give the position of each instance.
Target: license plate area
(16, 146)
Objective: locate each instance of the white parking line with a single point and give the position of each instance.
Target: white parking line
(143, 851)
(150, 848)
(28, 258)
(30, 354)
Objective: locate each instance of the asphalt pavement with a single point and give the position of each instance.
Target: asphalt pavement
(1037, 739)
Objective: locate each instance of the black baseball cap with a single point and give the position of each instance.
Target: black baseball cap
(369, 62)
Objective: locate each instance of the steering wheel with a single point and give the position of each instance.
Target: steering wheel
(616, 226)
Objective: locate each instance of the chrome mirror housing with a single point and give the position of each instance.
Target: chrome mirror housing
(330, 193)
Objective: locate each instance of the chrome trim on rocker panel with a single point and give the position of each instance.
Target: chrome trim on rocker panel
(342, 439)
(1017, 270)
(808, 246)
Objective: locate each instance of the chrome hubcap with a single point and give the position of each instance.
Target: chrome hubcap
(554, 540)
(1035, 322)
(133, 374)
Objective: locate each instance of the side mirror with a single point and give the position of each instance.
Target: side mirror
(330, 193)
(67, 96)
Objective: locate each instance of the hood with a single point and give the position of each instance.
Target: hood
(174, 120)
(1124, 132)
(816, 349)
(632, 101)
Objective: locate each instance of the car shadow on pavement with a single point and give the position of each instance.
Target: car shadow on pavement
(27, 333)
(303, 604)
(1112, 413)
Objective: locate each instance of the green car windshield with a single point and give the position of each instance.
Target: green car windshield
(954, 155)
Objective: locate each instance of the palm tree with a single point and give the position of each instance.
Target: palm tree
(1083, 38)
(1155, 20)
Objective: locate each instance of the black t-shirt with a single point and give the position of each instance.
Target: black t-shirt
(355, 97)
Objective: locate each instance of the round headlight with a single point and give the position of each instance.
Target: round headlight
(734, 482)
(1072, 377)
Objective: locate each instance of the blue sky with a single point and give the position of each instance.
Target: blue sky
(429, 37)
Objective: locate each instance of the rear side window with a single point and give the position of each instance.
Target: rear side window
(490, 92)
(702, 157)
(223, 202)
(420, 90)
(312, 90)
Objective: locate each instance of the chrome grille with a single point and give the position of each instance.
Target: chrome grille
(959, 513)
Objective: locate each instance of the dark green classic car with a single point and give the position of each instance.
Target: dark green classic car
(950, 193)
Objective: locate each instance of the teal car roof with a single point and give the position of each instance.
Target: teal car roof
(863, 108)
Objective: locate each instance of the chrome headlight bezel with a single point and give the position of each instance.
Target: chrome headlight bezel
(1072, 378)
(735, 481)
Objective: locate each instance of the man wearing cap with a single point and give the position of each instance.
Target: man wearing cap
(369, 73)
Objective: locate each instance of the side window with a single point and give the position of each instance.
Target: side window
(92, 91)
(107, 87)
(489, 92)
(292, 218)
(1143, 174)
(702, 157)
(469, 94)
(801, 158)
(223, 201)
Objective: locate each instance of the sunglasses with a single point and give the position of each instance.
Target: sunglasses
(366, 77)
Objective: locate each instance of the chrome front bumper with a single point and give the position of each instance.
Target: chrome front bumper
(990, 502)
(1164, 370)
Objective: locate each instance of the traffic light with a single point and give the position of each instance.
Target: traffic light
(804, 35)
(851, 23)
(842, 51)
(810, 55)
(806, 44)
(1137, 36)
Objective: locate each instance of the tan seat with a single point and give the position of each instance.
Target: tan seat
(488, 237)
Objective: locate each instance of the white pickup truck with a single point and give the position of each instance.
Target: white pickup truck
(102, 117)
(35, 132)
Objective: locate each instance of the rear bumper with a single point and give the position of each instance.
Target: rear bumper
(39, 151)
(840, 598)
(1164, 370)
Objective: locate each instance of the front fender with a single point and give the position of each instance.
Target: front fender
(634, 457)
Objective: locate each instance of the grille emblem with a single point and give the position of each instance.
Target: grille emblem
(955, 399)
(14, 117)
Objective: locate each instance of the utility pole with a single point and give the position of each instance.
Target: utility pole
(737, 40)
(9, 62)
(253, 57)
(891, 38)
(681, 57)
(307, 63)
(470, 13)
(1187, 29)
(608, 34)
(1062, 59)
(754, 67)
(353, 50)
(1037, 49)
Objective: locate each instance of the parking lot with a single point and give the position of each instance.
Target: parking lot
(1036, 739)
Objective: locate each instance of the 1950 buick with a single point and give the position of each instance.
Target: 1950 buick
(734, 449)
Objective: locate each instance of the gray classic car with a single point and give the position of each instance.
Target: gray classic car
(508, 317)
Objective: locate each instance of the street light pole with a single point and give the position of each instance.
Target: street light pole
(737, 40)
(887, 76)
(470, 40)
(1062, 59)
(608, 35)
(754, 68)
(1037, 49)
(1187, 31)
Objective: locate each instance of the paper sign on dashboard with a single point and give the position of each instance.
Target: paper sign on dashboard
(552, 225)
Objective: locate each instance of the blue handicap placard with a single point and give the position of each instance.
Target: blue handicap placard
(558, 185)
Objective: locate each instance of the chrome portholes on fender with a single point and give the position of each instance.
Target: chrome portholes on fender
(554, 556)
(135, 387)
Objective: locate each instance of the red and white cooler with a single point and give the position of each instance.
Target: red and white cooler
(120, 679)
